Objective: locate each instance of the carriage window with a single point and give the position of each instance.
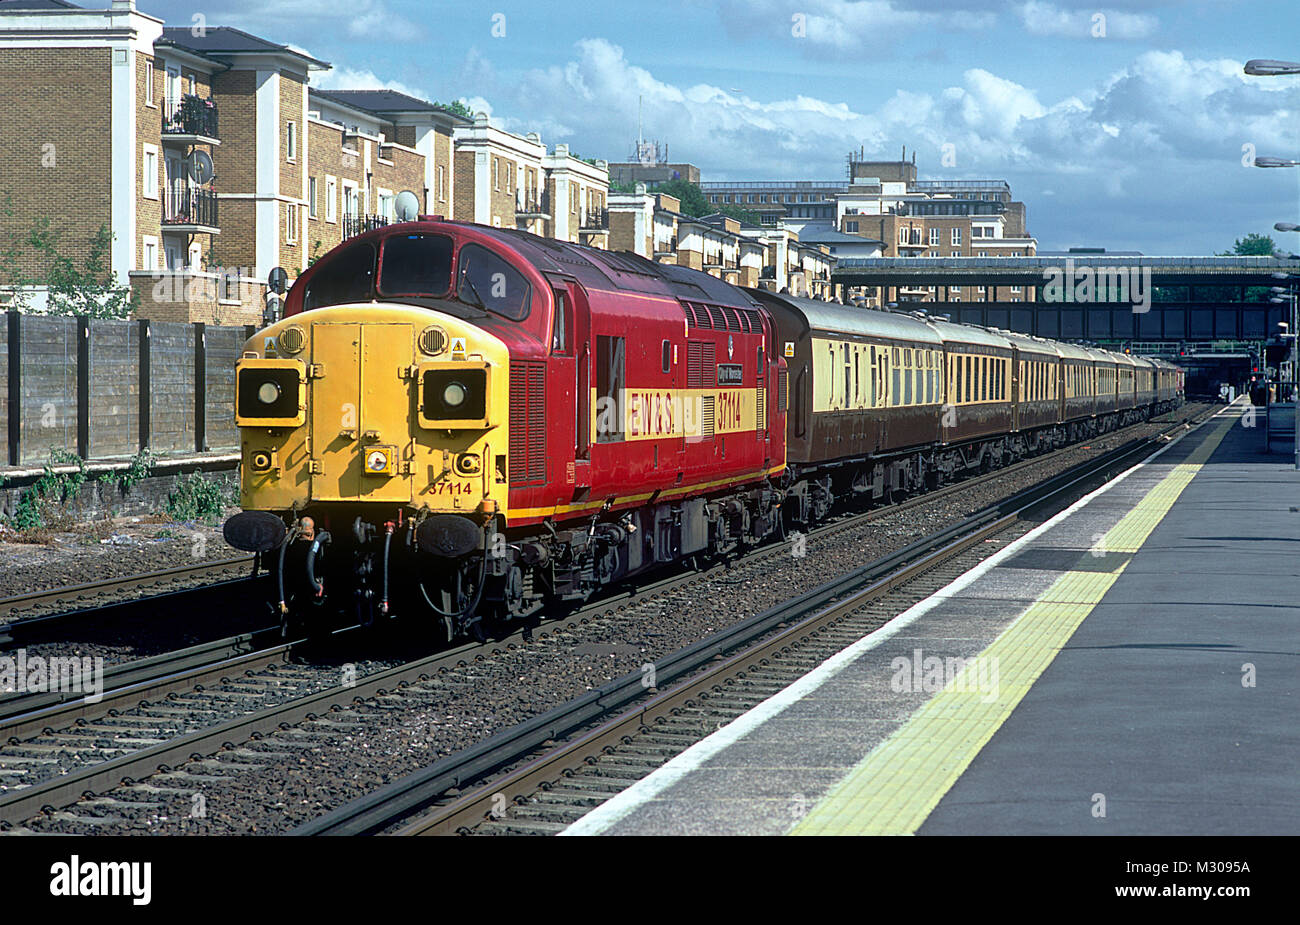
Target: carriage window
(415, 264)
(488, 281)
(666, 361)
(347, 276)
(610, 373)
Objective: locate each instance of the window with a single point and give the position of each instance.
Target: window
(496, 173)
(311, 197)
(851, 227)
(561, 323)
(290, 224)
(610, 360)
(344, 277)
(291, 141)
(902, 236)
(956, 237)
(934, 237)
(488, 281)
(416, 265)
(148, 83)
(331, 199)
(666, 361)
(442, 184)
(148, 253)
(149, 173)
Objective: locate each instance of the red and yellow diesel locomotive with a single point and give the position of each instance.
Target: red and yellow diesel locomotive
(468, 422)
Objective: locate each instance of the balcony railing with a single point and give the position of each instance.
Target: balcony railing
(354, 225)
(190, 115)
(538, 204)
(595, 220)
(190, 206)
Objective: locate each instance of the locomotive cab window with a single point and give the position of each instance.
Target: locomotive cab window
(415, 265)
(610, 381)
(561, 324)
(488, 281)
(348, 276)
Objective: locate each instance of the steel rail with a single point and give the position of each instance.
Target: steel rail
(399, 799)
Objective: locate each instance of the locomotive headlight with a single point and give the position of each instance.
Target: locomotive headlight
(268, 393)
(454, 395)
(292, 339)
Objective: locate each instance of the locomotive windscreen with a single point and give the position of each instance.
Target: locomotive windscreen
(416, 265)
(348, 276)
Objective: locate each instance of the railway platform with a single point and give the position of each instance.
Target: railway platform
(1130, 666)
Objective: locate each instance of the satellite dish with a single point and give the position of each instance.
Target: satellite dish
(406, 206)
(276, 280)
(199, 164)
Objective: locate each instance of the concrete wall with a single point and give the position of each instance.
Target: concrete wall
(89, 401)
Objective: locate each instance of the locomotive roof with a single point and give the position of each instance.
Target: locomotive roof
(840, 319)
(600, 269)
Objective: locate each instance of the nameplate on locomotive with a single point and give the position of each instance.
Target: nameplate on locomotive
(729, 373)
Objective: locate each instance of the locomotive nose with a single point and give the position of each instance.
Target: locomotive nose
(363, 404)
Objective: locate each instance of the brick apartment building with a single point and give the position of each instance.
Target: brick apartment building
(511, 181)
(884, 203)
(652, 225)
(111, 116)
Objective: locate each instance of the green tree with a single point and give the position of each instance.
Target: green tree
(89, 289)
(12, 279)
(1252, 245)
(693, 200)
(458, 107)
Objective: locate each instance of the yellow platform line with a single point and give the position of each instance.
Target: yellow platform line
(895, 787)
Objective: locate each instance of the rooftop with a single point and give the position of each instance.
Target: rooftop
(226, 40)
(383, 102)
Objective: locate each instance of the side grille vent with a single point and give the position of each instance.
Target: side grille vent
(701, 365)
(706, 417)
(782, 391)
(761, 415)
(527, 423)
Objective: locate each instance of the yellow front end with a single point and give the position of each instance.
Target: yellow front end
(383, 405)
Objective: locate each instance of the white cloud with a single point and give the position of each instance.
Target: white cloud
(849, 24)
(346, 78)
(1041, 18)
(1143, 137)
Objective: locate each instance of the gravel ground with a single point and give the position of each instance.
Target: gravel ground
(316, 766)
(92, 551)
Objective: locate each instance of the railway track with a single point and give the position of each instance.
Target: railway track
(636, 729)
(91, 595)
(168, 688)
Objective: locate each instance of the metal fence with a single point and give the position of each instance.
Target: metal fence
(107, 389)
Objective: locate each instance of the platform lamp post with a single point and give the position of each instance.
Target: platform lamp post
(1293, 328)
(1267, 67)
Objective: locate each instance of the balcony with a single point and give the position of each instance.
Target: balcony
(189, 210)
(536, 205)
(190, 120)
(354, 224)
(595, 220)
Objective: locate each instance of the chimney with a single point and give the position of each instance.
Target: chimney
(124, 6)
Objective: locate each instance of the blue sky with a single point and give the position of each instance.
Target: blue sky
(1132, 138)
